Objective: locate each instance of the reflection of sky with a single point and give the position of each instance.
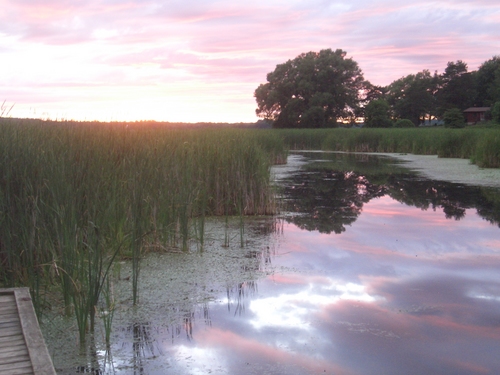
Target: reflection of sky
(402, 291)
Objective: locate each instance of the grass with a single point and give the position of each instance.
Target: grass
(75, 196)
(479, 144)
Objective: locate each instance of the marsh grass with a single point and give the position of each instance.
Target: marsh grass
(74, 197)
(487, 154)
(479, 144)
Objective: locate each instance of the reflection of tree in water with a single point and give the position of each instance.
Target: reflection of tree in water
(426, 194)
(489, 209)
(330, 195)
(327, 200)
(454, 199)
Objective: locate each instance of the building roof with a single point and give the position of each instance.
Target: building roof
(477, 109)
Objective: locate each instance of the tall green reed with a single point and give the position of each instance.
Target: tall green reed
(75, 196)
(477, 144)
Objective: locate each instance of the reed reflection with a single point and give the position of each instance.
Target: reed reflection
(239, 294)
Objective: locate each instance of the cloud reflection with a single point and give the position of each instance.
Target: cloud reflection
(245, 356)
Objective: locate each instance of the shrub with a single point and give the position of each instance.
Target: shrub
(404, 123)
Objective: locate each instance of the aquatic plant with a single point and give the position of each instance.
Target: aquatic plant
(475, 143)
(487, 154)
(107, 311)
(74, 196)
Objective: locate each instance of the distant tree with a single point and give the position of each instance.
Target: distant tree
(313, 90)
(404, 123)
(454, 118)
(488, 82)
(413, 96)
(377, 114)
(457, 88)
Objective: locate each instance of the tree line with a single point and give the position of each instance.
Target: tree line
(323, 89)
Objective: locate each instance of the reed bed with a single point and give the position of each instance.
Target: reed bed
(73, 197)
(480, 145)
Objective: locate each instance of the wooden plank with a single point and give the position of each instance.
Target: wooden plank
(10, 324)
(16, 358)
(13, 350)
(10, 318)
(12, 368)
(19, 371)
(7, 351)
(11, 331)
(38, 352)
(7, 297)
(15, 341)
(5, 310)
(22, 348)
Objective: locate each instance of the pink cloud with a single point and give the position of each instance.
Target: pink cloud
(226, 42)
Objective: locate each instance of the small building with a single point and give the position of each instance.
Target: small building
(473, 115)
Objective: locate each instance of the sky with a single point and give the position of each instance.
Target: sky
(201, 61)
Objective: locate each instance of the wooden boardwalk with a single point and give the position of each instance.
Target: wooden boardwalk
(22, 348)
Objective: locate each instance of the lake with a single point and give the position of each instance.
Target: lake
(370, 268)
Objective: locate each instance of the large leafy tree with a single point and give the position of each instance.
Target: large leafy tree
(488, 82)
(413, 97)
(313, 90)
(457, 88)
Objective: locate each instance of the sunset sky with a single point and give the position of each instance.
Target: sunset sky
(202, 60)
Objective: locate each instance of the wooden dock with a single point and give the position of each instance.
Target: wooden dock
(22, 348)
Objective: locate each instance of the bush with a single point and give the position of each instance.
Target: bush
(404, 123)
(454, 118)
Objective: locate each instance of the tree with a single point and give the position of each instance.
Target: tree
(412, 97)
(377, 114)
(457, 88)
(488, 82)
(373, 92)
(454, 118)
(313, 90)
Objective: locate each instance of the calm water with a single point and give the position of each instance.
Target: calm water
(369, 269)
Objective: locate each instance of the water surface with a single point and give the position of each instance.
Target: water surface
(369, 269)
